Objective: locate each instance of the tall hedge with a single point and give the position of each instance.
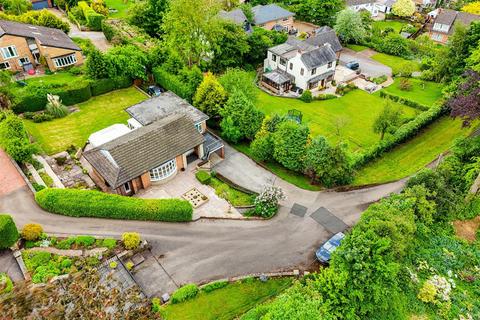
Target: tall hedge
(404, 101)
(8, 231)
(405, 132)
(94, 19)
(87, 203)
(173, 83)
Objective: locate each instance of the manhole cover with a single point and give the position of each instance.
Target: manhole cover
(298, 210)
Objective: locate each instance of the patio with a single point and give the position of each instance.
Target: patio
(185, 181)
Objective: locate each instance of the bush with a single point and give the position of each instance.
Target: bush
(6, 284)
(94, 20)
(185, 293)
(42, 117)
(131, 240)
(214, 286)
(37, 186)
(405, 85)
(306, 96)
(113, 265)
(84, 241)
(379, 80)
(109, 243)
(87, 203)
(66, 263)
(129, 265)
(203, 176)
(32, 231)
(8, 231)
(156, 305)
(173, 83)
(325, 96)
(65, 244)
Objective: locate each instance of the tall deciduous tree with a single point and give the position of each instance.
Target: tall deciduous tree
(210, 96)
(349, 26)
(148, 15)
(191, 28)
(319, 12)
(238, 79)
(388, 120)
(97, 65)
(230, 48)
(403, 8)
(326, 164)
(466, 101)
(289, 144)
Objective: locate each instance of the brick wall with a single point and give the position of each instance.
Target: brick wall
(22, 49)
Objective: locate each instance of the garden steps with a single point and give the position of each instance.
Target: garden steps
(36, 177)
(49, 171)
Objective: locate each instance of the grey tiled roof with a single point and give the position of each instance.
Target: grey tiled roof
(48, 37)
(325, 35)
(358, 2)
(143, 149)
(269, 12)
(446, 16)
(451, 17)
(318, 57)
(165, 104)
(292, 44)
(237, 16)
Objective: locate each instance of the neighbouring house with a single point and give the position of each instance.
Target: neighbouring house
(238, 17)
(326, 35)
(297, 63)
(385, 6)
(425, 3)
(368, 5)
(444, 23)
(164, 135)
(25, 46)
(41, 4)
(272, 17)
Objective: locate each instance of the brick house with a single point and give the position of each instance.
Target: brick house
(164, 135)
(24, 46)
(272, 17)
(444, 23)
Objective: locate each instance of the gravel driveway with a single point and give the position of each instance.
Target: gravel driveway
(368, 66)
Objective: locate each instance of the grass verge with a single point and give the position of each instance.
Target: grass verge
(228, 302)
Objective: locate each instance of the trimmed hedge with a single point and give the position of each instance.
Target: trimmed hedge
(8, 231)
(404, 133)
(173, 83)
(215, 285)
(404, 101)
(94, 19)
(185, 293)
(87, 203)
(203, 176)
(34, 98)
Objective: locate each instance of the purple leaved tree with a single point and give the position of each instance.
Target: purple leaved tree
(466, 102)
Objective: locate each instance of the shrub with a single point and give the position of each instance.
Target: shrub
(185, 293)
(55, 108)
(32, 231)
(129, 265)
(37, 186)
(66, 263)
(405, 85)
(109, 243)
(173, 83)
(66, 243)
(6, 284)
(113, 265)
(215, 285)
(156, 305)
(266, 203)
(131, 240)
(203, 176)
(306, 96)
(8, 231)
(42, 117)
(94, 20)
(87, 203)
(404, 101)
(84, 241)
(325, 96)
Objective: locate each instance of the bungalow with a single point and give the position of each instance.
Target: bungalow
(272, 17)
(299, 63)
(444, 23)
(22, 47)
(164, 135)
(368, 5)
(238, 17)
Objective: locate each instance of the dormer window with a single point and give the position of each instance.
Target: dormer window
(198, 126)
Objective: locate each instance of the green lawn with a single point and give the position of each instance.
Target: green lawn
(56, 78)
(396, 63)
(95, 114)
(235, 197)
(413, 155)
(395, 24)
(121, 5)
(356, 47)
(356, 110)
(423, 92)
(229, 302)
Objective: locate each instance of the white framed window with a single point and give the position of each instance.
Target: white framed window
(163, 171)
(4, 65)
(283, 61)
(127, 187)
(9, 52)
(314, 70)
(198, 126)
(274, 57)
(65, 61)
(23, 61)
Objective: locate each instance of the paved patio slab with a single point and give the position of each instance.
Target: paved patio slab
(327, 219)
